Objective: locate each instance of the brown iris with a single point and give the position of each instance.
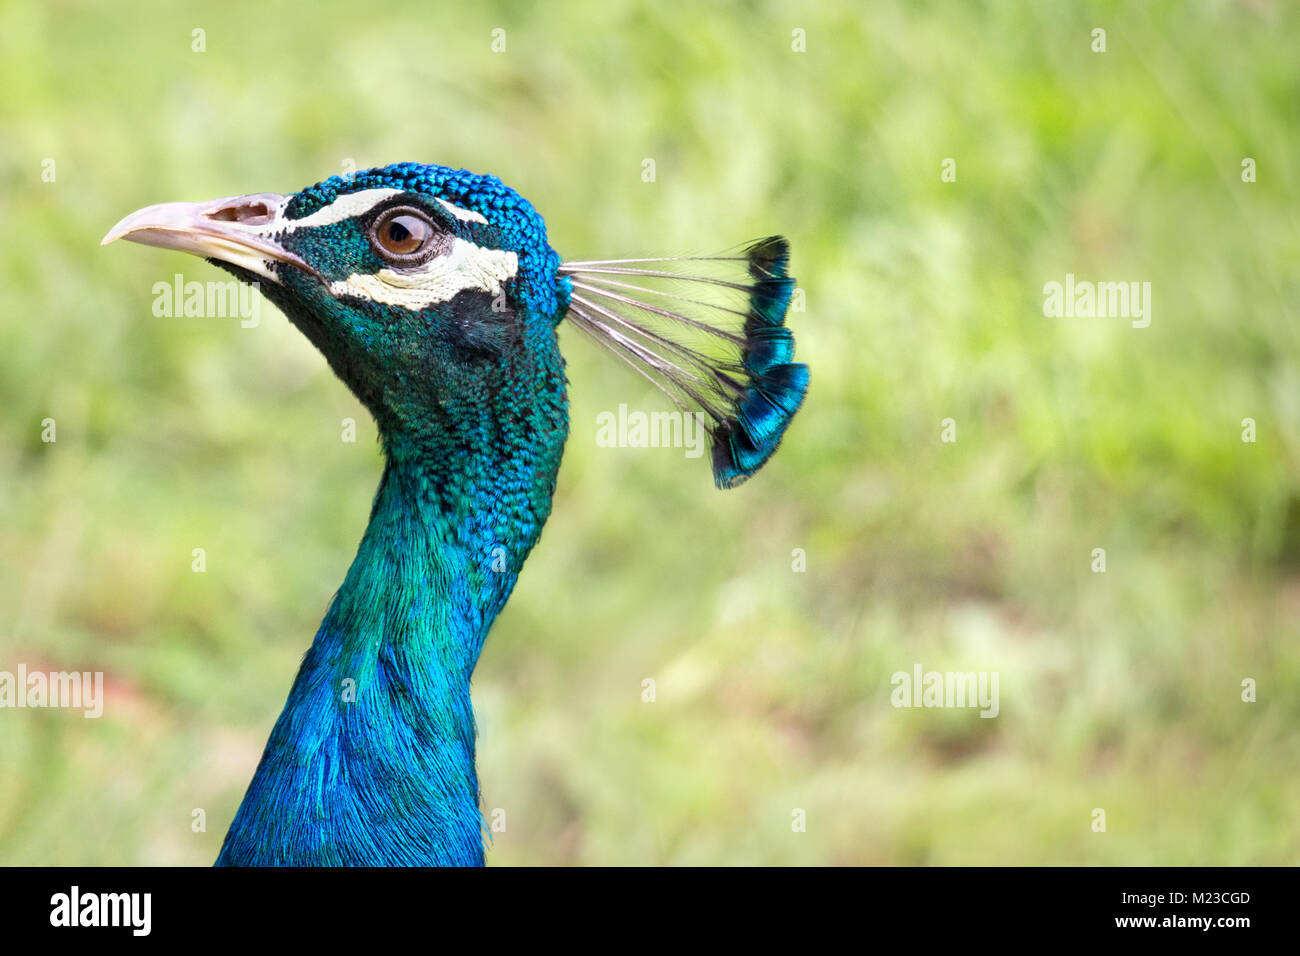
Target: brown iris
(405, 236)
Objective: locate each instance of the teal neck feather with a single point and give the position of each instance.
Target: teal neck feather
(372, 759)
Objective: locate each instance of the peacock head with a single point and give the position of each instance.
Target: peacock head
(434, 294)
(425, 288)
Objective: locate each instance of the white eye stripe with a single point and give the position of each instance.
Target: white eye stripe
(465, 215)
(347, 206)
(351, 205)
(466, 266)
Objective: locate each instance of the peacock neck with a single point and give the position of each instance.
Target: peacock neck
(372, 759)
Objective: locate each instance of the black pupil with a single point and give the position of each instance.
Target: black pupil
(397, 232)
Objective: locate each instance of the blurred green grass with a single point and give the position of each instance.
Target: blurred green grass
(924, 302)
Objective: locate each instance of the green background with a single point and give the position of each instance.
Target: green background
(1120, 691)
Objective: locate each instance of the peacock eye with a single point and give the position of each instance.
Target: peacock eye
(405, 236)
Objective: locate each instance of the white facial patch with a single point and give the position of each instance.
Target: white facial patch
(466, 266)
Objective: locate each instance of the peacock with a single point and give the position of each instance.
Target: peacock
(434, 295)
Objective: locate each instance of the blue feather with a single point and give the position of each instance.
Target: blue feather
(776, 387)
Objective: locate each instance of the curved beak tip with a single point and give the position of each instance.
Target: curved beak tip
(112, 235)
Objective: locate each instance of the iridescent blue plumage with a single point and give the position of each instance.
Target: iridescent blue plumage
(434, 295)
(776, 386)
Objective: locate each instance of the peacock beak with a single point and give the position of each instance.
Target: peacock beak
(240, 230)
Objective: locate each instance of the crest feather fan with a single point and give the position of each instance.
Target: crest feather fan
(709, 332)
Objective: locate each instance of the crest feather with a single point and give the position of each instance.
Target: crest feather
(709, 332)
